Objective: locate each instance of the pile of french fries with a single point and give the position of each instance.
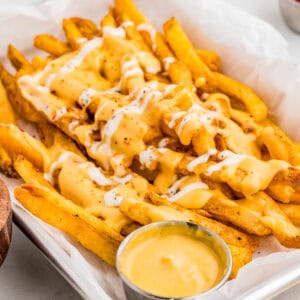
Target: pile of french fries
(137, 126)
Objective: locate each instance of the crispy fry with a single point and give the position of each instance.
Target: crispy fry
(54, 210)
(279, 145)
(228, 211)
(255, 106)
(230, 235)
(73, 34)
(15, 142)
(292, 211)
(39, 62)
(184, 50)
(87, 27)
(210, 58)
(6, 164)
(21, 106)
(29, 173)
(51, 45)
(6, 112)
(127, 6)
(108, 20)
(18, 60)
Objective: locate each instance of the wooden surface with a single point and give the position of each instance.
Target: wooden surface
(5, 222)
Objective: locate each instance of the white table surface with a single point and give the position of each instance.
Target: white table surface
(27, 275)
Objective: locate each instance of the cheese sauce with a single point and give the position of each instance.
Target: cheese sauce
(171, 261)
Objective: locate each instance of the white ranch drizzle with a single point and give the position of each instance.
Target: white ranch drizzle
(204, 96)
(163, 150)
(168, 61)
(187, 189)
(131, 68)
(169, 88)
(228, 158)
(118, 159)
(123, 180)
(60, 113)
(49, 81)
(98, 177)
(153, 70)
(73, 125)
(77, 60)
(152, 32)
(147, 156)
(132, 63)
(196, 111)
(94, 147)
(201, 159)
(163, 142)
(114, 31)
(175, 117)
(188, 117)
(174, 187)
(55, 165)
(81, 40)
(133, 72)
(86, 97)
(111, 198)
(127, 24)
(152, 84)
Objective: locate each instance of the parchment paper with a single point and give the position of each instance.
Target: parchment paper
(251, 51)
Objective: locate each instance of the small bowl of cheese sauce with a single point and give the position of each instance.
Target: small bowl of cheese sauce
(173, 260)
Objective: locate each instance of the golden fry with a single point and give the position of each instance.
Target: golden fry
(17, 59)
(73, 34)
(49, 210)
(51, 45)
(211, 59)
(87, 27)
(184, 50)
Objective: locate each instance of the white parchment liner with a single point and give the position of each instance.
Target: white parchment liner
(251, 51)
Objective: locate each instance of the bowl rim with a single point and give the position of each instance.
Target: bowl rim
(148, 295)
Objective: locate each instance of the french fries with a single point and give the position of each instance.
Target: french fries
(138, 126)
(90, 237)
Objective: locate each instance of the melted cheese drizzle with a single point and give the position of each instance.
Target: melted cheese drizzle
(136, 107)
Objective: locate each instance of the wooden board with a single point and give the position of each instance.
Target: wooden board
(5, 221)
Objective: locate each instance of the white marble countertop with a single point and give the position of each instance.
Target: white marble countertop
(27, 275)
